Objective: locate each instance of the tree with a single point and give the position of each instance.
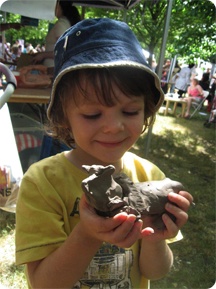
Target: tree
(33, 35)
(195, 23)
(191, 33)
(192, 27)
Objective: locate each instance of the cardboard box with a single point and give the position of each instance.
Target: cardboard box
(25, 60)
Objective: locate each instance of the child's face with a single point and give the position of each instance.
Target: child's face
(103, 134)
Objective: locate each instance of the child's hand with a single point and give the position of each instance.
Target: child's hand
(183, 200)
(121, 230)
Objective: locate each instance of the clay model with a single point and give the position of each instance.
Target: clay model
(111, 194)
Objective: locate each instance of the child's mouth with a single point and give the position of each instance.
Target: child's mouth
(110, 144)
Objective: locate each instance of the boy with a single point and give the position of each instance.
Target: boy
(104, 96)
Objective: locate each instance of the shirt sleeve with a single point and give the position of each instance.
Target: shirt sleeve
(40, 227)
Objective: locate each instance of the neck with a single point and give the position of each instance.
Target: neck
(80, 160)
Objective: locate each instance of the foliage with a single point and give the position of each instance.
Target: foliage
(194, 33)
(191, 33)
(34, 35)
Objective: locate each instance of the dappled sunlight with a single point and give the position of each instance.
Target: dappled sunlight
(188, 133)
(7, 250)
(185, 151)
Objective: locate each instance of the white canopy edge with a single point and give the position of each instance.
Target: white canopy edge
(38, 9)
(108, 4)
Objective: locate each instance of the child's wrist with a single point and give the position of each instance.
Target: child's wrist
(83, 235)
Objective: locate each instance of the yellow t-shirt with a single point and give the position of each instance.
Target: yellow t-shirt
(47, 211)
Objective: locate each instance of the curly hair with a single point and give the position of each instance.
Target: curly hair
(131, 82)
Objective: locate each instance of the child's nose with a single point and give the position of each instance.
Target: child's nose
(113, 125)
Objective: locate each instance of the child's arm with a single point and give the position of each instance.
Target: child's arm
(156, 257)
(65, 266)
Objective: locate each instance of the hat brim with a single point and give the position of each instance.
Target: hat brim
(70, 66)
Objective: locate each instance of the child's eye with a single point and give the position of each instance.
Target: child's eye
(93, 116)
(131, 113)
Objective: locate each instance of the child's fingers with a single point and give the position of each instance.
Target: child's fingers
(181, 215)
(109, 224)
(172, 228)
(186, 195)
(97, 223)
(181, 201)
(121, 231)
(125, 236)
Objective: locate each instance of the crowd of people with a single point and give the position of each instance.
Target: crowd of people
(67, 16)
(13, 52)
(188, 84)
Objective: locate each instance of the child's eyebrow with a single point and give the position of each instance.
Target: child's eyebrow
(130, 100)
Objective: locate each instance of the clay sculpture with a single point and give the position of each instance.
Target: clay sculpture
(110, 194)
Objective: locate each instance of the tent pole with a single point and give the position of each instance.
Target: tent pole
(164, 39)
(160, 66)
(3, 35)
(83, 13)
(124, 15)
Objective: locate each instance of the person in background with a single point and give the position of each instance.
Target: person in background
(195, 94)
(183, 80)
(104, 96)
(19, 50)
(174, 76)
(6, 55)
(173, 82)
(14, 55)
(43, 47)
(165, 72)
(67, 15)
(37, 48)
(25, 48)
(212, 91)
(204, 82)
(3, 27)
(213, 110)
(154, 65)
(30, 49)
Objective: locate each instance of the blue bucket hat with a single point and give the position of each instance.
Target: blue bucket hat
(99, 43)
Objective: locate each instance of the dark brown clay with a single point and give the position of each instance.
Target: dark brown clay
(110, 195)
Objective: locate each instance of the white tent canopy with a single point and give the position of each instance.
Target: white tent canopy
(39, 9)
(44, 9)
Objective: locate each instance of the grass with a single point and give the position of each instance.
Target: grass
(185, 150)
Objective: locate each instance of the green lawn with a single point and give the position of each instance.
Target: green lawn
(185, 150)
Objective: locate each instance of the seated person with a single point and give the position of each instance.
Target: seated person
(213, 112)
(195, 94)
(204, 82)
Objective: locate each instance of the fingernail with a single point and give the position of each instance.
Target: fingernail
(151, 232)
(168, 206)
(172, 195)
(132, 218)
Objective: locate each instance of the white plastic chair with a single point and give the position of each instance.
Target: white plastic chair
(197, 105)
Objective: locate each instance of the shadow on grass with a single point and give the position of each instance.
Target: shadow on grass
(187, 156)
(7, 222)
